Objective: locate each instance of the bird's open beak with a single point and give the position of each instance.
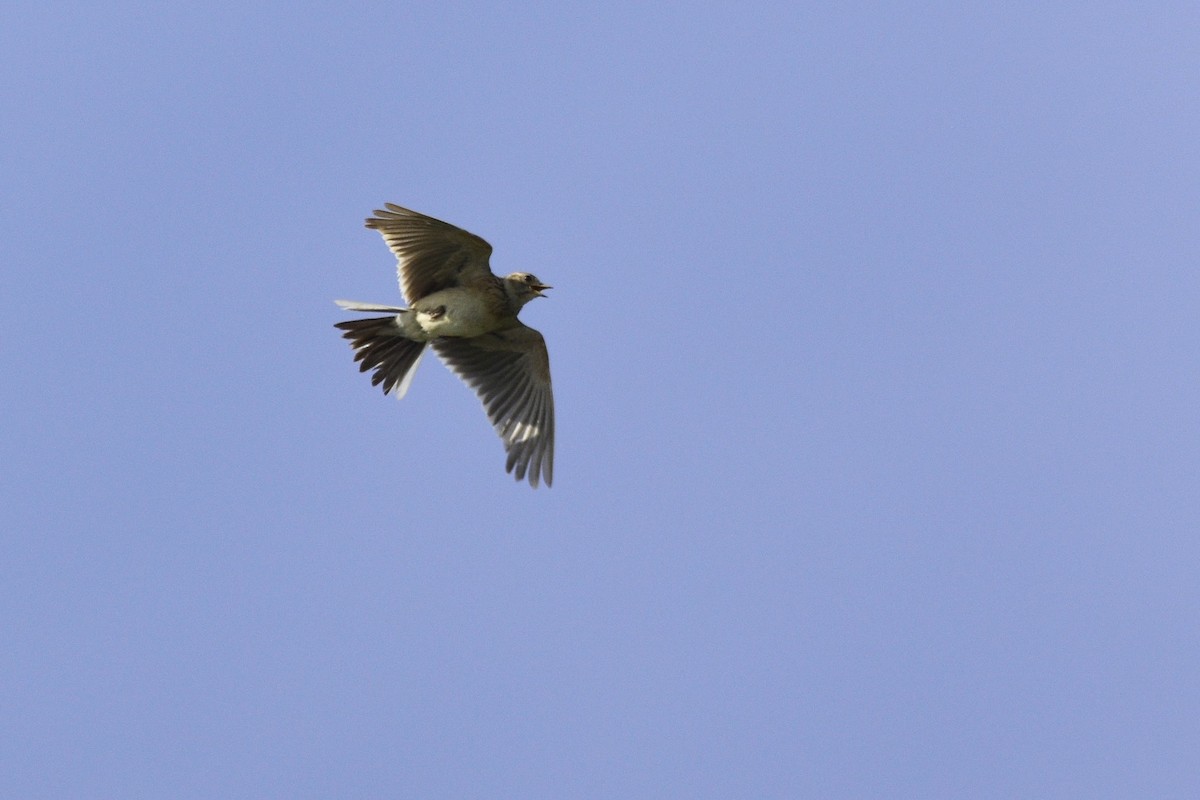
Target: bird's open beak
(541, 287)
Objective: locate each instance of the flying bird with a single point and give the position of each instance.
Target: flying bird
(469, 316)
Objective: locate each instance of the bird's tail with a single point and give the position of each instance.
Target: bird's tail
(354, 305)
(379, 344)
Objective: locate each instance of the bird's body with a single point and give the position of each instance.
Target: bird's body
(469, 316)
(456, 312)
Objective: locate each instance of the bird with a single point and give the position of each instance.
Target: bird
(468, 315)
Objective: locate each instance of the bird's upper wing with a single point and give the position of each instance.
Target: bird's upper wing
(431, 254)
(510, 371)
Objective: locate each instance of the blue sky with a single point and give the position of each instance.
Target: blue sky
(874, 347)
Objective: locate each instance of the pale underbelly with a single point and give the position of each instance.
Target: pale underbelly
(454, 312)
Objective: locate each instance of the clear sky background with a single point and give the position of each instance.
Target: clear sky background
(874, 339)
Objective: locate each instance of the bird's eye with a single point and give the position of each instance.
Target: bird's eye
(529, 279)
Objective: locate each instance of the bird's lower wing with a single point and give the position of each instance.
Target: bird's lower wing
(510, 371)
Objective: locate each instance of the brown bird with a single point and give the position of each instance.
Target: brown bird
(469, 316)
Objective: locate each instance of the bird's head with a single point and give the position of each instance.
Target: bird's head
(523, 287)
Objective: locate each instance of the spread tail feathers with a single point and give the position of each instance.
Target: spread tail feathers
(379, 345)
